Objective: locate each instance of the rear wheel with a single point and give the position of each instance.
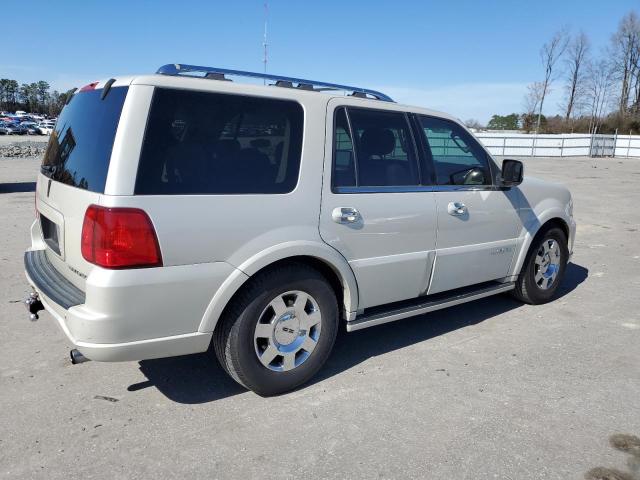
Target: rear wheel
(279, 330)
(544, 267)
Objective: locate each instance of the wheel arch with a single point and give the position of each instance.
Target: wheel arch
(552, 219)
(323, 258)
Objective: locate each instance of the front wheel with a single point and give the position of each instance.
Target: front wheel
(544, 268)
(279, 331)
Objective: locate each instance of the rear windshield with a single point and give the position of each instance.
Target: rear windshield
(212, 143)
(80, 146)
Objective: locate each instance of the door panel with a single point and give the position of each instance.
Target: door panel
(478, 245)
(390, 248)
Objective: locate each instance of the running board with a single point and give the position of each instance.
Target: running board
(430, 305)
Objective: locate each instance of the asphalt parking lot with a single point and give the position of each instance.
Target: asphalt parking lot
(491, 389)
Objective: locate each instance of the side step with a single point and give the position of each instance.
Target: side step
(402, 310)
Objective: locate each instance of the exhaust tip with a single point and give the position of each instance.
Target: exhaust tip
(77, 357)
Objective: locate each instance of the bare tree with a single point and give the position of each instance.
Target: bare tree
(625, 54)
(473, 123)
(599, 83)
(533, 97)
(531, 104)
(550, 53)
(577, 53)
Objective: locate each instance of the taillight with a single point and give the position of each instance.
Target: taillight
(115, 237)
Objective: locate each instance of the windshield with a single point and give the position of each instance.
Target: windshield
(80, 146)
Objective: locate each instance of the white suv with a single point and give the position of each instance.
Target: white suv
(180, 211)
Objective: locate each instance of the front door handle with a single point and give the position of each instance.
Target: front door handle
(345, 215)
(456, 208)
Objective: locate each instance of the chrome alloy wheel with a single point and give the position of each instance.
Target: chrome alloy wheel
(547, 264)
(287, 331)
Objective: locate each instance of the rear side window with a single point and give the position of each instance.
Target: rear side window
(457, 157)
(384, 150)
(80, 146)
(211, 143)
(344, 172)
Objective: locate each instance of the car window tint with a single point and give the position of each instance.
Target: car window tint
(212, 143)
(343, 159)
(457, 157)
(79, 150)
(385, 153)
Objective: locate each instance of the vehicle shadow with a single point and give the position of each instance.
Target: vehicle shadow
(17, 187)
(199, 378)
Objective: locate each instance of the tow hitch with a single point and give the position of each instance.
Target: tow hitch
(34, 305)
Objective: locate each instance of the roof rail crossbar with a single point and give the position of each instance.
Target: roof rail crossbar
(177, 69)
(284, 84)
(217, 76)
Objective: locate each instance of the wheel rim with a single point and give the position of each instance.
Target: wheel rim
(547, 264)
(287, 331)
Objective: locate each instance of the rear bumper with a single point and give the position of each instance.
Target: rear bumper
(130, 315)
(131, 351)
(50, 282)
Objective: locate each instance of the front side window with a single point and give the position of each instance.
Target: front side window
(457, 157)
(212, 143)
(373, 148)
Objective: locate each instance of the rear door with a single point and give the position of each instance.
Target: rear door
(375, 210)
(478, 223)
(74, 172)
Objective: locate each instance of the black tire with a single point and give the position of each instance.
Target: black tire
(233, 339)
(527, 290)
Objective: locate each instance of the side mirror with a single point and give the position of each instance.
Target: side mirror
(512, 173)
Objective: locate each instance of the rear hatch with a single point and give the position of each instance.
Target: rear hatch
(73, 174)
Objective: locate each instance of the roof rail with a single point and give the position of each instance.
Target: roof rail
(218, 73)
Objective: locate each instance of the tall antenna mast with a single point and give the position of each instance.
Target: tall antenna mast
(264, 40)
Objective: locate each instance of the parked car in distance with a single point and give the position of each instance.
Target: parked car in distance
(6, 128)
(257, 220)
(26, 128)
(44, 128)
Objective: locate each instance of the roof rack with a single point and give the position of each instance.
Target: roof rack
(219, 74)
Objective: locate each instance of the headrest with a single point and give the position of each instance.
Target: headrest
(377, 141)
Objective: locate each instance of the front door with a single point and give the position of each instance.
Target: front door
(375, 210)
(478, 223)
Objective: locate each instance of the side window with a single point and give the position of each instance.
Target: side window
(457, 157)
(384, 150)
(212, 143)
(344, 173)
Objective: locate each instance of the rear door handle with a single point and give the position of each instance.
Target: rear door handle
(345, 215)
(456, 208)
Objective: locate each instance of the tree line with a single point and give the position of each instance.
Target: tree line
(601, 90)
(36, 97)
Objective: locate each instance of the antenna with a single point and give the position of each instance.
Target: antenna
(264, 40)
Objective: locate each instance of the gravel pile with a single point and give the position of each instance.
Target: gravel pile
(23, 149)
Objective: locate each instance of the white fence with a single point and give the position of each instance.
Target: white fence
(564, 145)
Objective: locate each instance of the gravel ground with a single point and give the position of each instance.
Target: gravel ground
(23, 146)
(491, 389)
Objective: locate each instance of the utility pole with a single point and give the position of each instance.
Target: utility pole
(264, 40)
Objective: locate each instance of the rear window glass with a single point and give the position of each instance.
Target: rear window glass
(80, 146)
(211, 143)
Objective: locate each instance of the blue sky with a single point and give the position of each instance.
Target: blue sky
(469, 58)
